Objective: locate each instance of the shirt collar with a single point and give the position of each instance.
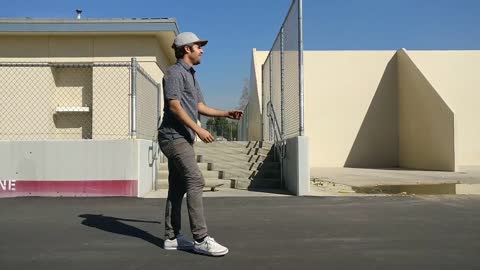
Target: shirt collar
(186, 66)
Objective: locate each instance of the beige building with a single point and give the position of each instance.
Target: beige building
(48, 98)
(384, 109)
(79, 105)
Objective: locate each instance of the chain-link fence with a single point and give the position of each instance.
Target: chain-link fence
(242, 126)
(64, 101)
(147, 99)
(266, 97)
(225, 132)
(282, 75)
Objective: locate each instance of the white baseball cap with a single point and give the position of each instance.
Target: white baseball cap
(188, 38)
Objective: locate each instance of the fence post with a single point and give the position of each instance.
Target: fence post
(159, 120)
(282, 104)
(263, 103)
(271, 131)
(133, 99)
(282, 86)
(300, 68)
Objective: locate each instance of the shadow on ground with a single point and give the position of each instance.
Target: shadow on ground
(115, 225)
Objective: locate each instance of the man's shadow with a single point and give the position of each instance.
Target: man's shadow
(114, 225)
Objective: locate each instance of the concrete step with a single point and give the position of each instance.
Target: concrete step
(242, 183)
(241, 165)
(202, 166)
(235, 144)
(250, 166)
(258, 151)
(233, 158)
(225, 166)
(258, 144)
(209, 182)
(206, 174)
(233, 151)
(218, 143)
(232, 174)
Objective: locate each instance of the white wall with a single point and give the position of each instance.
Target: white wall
(296, 166)
(79, 161)
(67, 160)
(147, 166)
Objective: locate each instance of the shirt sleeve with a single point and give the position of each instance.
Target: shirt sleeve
(172, 85)
(200, 97)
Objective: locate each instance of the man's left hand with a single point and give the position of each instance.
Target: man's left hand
(235, 114)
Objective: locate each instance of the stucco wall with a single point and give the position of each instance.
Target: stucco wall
(378, 108)
(351, 108)
(426, 123)
(455, 77)
(255, 96)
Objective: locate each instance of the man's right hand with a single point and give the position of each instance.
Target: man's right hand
(205, 136)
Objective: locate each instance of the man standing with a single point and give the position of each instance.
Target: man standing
(183, 104)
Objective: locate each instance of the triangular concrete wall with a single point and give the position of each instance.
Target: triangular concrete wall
(455, 75)
(426, 122)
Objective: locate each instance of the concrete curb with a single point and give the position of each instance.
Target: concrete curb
(402, 189)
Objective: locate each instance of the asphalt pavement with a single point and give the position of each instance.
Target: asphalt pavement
(377, 232)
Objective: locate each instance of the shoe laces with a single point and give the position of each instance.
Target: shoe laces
(211, 242)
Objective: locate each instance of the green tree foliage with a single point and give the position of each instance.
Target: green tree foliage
(222, 127)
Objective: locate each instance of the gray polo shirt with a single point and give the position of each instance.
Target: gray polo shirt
(180, 83)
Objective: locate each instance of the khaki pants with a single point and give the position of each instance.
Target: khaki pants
(184, 176)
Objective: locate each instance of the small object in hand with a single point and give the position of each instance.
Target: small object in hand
(238, 115)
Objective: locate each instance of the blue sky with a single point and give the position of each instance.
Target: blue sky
(235, 27)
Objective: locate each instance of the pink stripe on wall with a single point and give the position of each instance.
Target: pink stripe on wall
(68, 188)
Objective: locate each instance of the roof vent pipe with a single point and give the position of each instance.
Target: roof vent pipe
(79, 14)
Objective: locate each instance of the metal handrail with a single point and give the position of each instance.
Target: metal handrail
(279, 142)
(273, 118)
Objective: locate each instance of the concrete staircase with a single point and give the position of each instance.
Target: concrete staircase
(241, 165)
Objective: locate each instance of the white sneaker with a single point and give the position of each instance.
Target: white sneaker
(209, 247)
(181, 242)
